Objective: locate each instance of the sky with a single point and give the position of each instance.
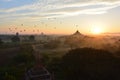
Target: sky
(59, 16)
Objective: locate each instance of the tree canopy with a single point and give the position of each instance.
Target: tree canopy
(1, 42)
(15, 39)
(88, 64)
(32, 38)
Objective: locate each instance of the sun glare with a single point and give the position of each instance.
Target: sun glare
(96, 30)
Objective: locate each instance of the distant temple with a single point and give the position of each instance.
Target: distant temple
(77, 33)
(17, 34)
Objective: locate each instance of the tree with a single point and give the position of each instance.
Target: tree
(32, 38)
(15, 39)
(74, 42)
(25, 56)
(88, 64)
(9, 77)
(1, 42)
(52, 44)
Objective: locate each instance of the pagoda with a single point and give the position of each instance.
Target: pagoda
(77, 33)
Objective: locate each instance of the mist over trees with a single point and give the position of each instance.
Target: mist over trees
(52, 44)
(87, 64)
(66, 57)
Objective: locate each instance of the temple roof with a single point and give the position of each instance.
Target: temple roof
(77, 33)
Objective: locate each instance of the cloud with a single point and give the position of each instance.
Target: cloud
(61, 8)
(76, 7)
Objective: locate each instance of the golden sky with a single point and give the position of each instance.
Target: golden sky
(59, 16)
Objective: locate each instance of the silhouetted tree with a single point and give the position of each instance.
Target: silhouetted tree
(26, 55)
(15, 39)
(32, 38)
(90, 64)
(1, 42)
(118, 51)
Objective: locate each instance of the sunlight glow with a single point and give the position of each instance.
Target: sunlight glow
(96, 30)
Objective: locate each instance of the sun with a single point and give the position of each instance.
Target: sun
(96, 30)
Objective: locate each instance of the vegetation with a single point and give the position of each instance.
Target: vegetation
(77, 64)
(18, 65)
(32, 38)
(25, 56)
(9, 45)
(86, 64)
(15, 39)
(74, 42)
(1, 42)
(52, 44)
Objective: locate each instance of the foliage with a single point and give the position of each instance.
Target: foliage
(32, 38)
(22, 61)
(52, 44)
(45, 59)
(1, 42)
(9, 45)
(25, 56)
(15, 39)
(74, 42)
(87, 64)
(9, 77)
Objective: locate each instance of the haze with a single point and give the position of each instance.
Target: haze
(58, 16)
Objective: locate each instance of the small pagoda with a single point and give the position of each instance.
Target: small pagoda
(77, 33)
